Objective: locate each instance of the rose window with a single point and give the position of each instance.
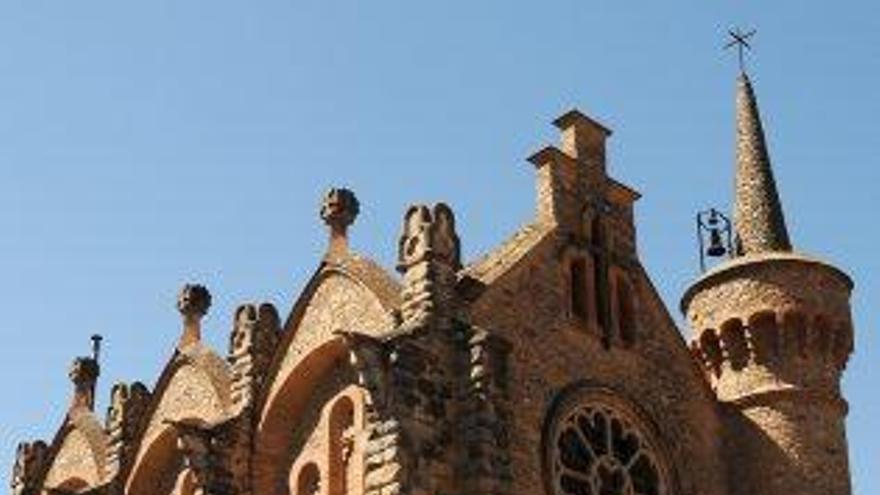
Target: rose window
(595, 450)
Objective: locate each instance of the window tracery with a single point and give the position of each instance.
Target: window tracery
(594, 448)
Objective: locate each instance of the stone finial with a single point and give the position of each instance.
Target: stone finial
(193, 303)
(84, 372)
(339, 209)
(758, 218)
(429, 257)
(430, 236)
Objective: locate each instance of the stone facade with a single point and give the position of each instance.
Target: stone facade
(550, 365)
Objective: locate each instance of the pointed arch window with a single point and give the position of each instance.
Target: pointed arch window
(341, 444)
(328, 458)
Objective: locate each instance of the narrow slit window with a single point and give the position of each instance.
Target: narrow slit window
(578, 289)
(625, 315)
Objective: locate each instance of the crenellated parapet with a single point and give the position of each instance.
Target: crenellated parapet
(251, 347)
(756, 330)
(771, 338)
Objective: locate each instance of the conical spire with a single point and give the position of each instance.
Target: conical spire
(758, 218)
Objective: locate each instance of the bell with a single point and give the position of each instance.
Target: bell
(716, 247)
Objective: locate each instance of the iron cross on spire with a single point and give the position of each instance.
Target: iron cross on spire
(741, 42)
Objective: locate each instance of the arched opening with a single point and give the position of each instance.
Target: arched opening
(284, 412)
(842, 343)
(765, 337)
(73, 485)
(822, 335)
(185, 484)
(794, 327)
(308, 480)
(600, 281)
(158, 468)
(577, 291)
(341, 445)
(711, 347)
(733, 343)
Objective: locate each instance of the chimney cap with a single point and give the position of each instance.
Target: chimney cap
(549, 154)
(574, 117)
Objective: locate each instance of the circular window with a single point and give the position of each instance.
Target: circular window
(596, 446)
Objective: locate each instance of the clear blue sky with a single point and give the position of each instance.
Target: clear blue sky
(146, 144)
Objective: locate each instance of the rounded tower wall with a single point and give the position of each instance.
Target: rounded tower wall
(773, 333)
(770, 323)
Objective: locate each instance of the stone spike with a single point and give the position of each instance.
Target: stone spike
(758, 217)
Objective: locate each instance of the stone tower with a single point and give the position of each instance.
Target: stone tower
(773, 330)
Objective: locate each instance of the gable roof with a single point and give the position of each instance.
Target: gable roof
(497, 262)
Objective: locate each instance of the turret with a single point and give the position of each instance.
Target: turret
(773, 332)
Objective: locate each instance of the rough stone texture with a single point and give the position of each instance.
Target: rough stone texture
(758, 219)
(774, 352)
(75, 461)
(456, 379)
(338, 303)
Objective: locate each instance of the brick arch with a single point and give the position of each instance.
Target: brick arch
(185, 483)
(284, 409)
(763, 334)
(156, 469)
(335, 299)
(195, 385)
(342, 419)
(308, 480)
(73, 485)
(712, 356)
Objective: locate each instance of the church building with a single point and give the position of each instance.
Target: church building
(549, 366)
